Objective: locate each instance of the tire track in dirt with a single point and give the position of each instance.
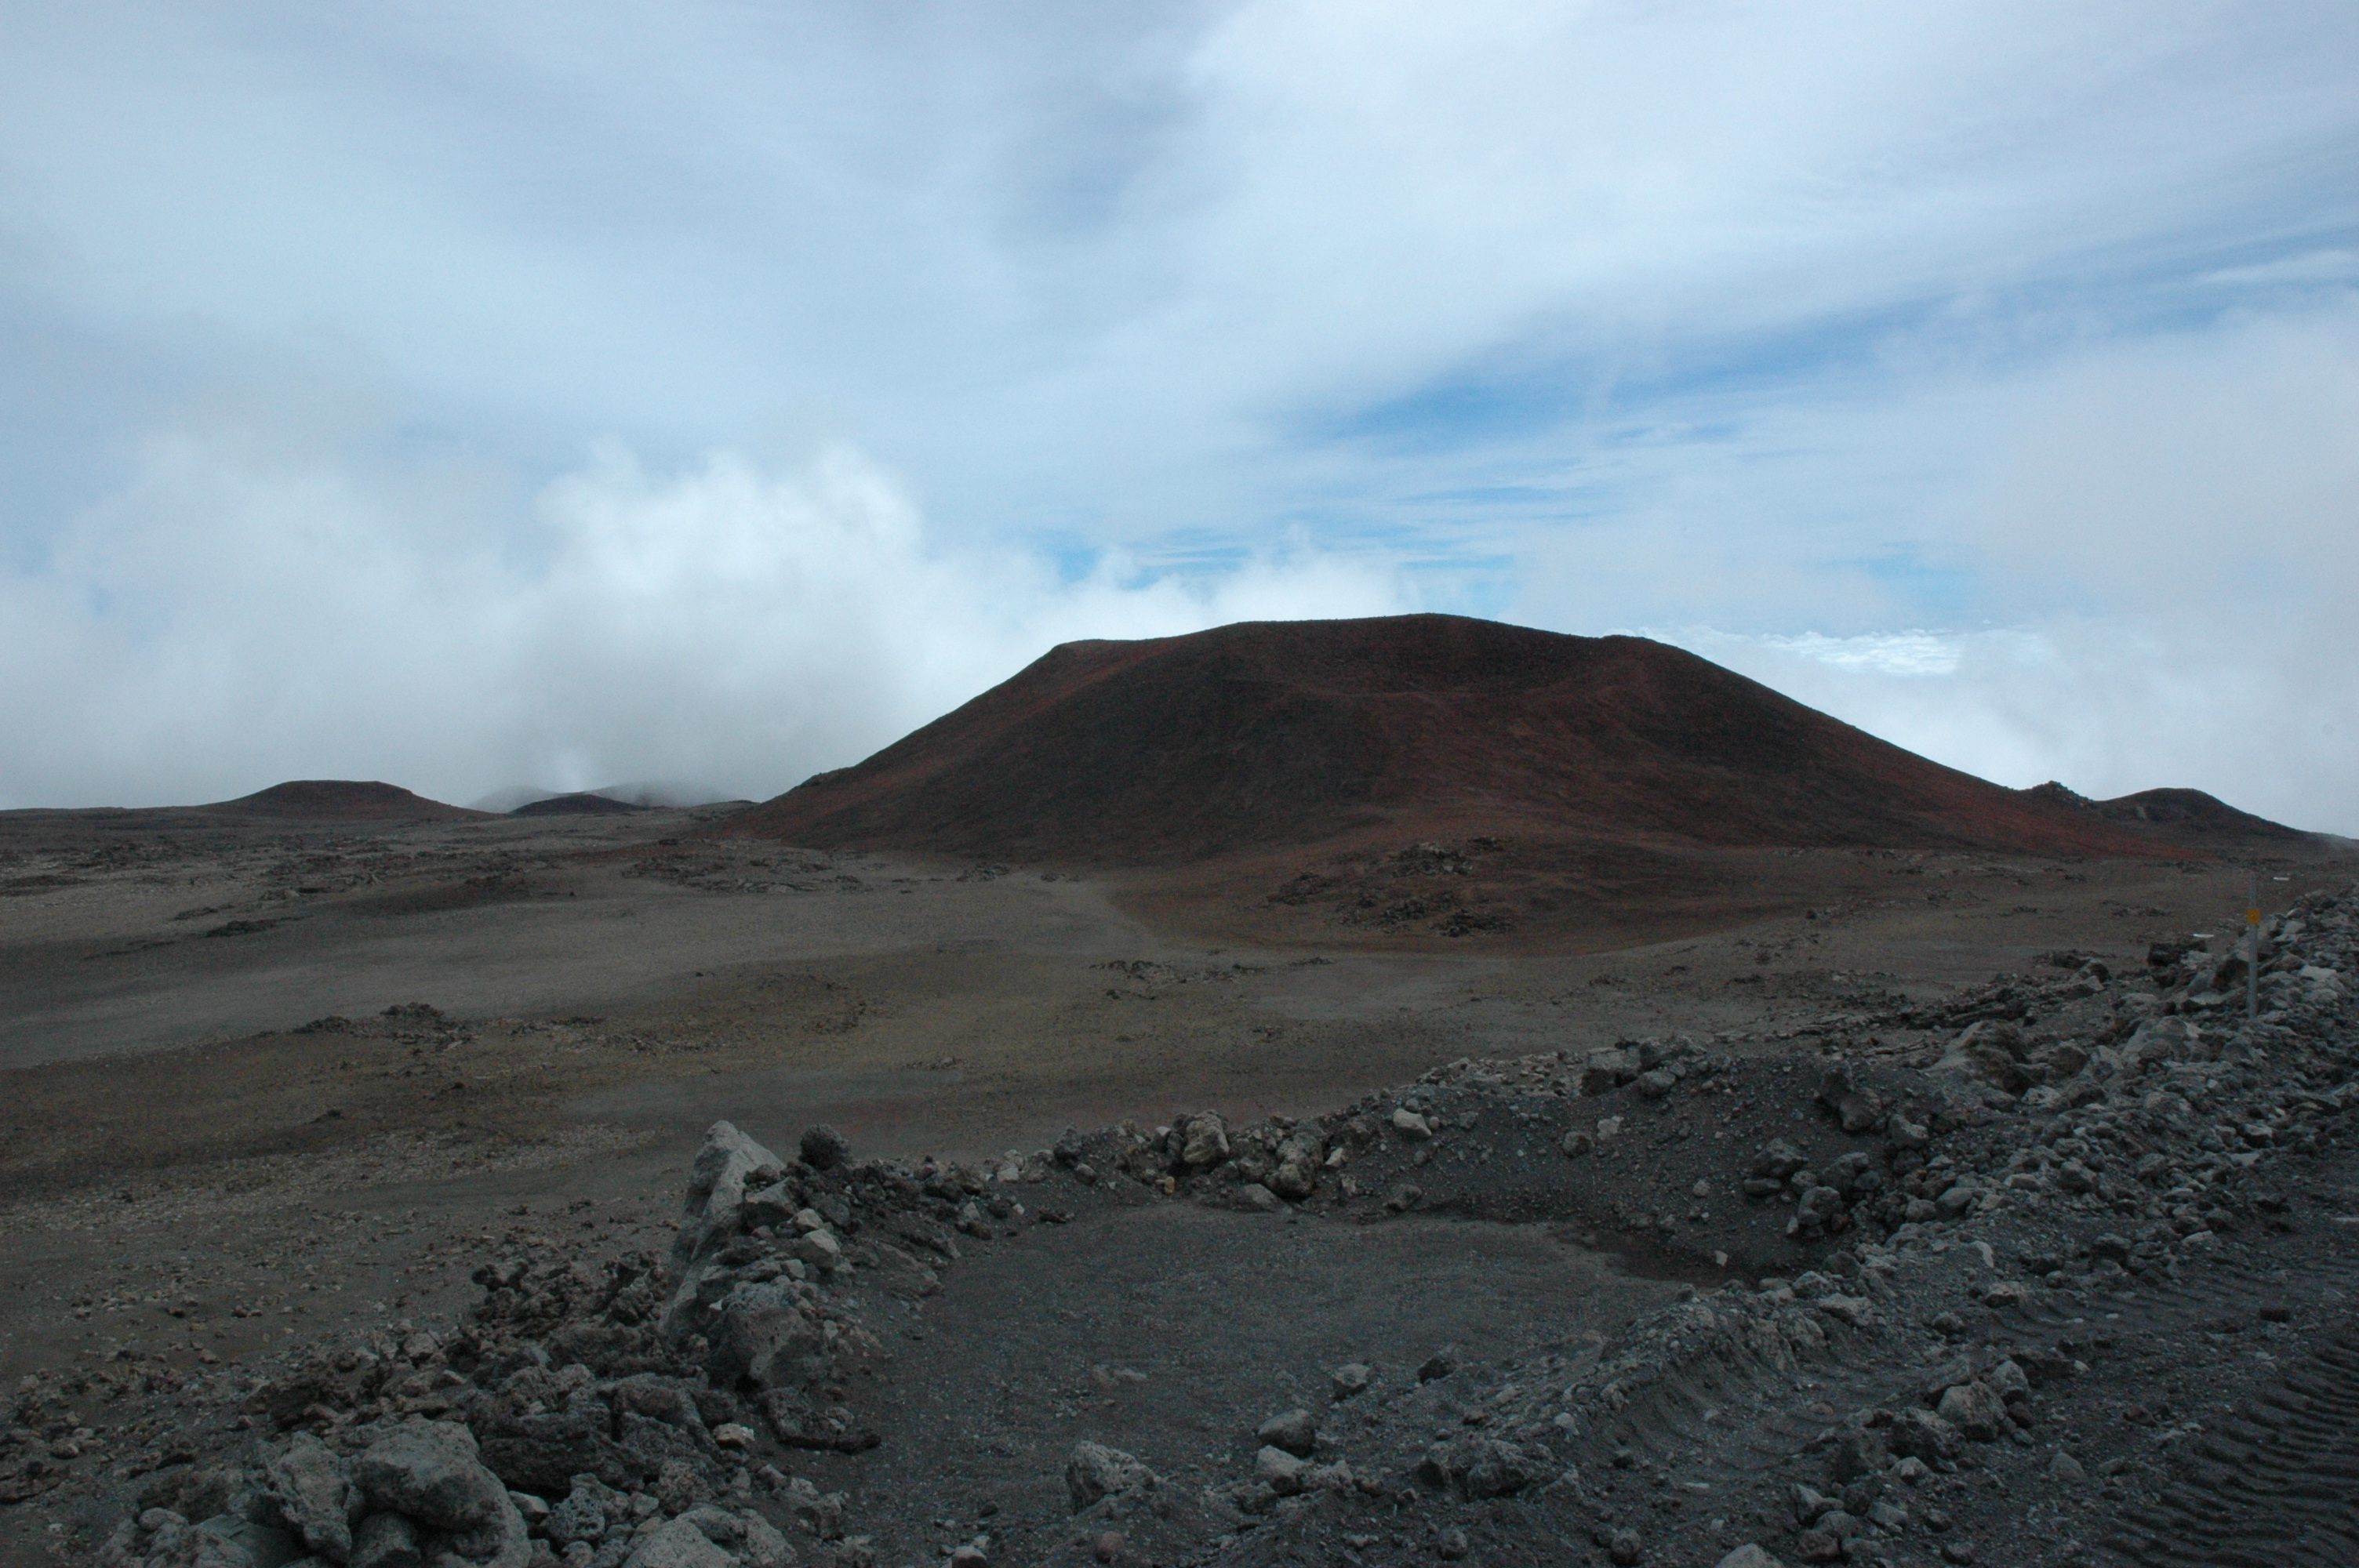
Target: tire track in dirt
(2276, 1483)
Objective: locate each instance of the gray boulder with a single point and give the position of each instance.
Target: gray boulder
(745, 1535)
(1820, 1208)
(263, 1546)
(1656, 1083)
(1300, 1155)
(2160, 1040)
(712, 1212)
(431, 1472)
(1476, 1467)
(1606, 1070)
(387, 1541)
(823, 1148)
(583, 1514)
(1921, 1435)
(1860, 1112)
(677, 1543)
(314, 1493)
(1749, 1556)
(761, 1335)
(716, 1190)
(1859, 1454)
(666, 1399)
(1295, 1431)
(1279, 1471)
(1974, 1410)
(162, 1538)
(1987, 1063)
(774, 1205)
(1093, 1472)
(1206, 1143)
(1254, 1195)
(502, 1543)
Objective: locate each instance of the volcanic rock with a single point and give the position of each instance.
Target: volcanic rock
(1094, 1471)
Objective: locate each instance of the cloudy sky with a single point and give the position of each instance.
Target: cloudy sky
(471, 395)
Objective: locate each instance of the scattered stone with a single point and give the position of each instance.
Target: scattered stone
(1206, 1143)
(313, 1491)
(1860, 1112)
(431, 1472)
(1859, 1454)
(584, 1512)
(1749, 1556)
(1295, 1431)
(1278, 1470)
(1476, 1467)
(1973, 1409)
(678, 1544)
(1856, 1311)
(1094, 1472)
(1922, 1434)
(823, 1148)
(1411, 1125)
(385, 1540)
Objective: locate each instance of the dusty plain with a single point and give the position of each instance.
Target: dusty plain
(262, 1080)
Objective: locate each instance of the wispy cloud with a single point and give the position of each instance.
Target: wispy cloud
(2310, 267)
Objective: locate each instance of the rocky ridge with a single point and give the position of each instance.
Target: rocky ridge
(2065, 1282)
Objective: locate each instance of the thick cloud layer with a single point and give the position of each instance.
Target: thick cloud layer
(243, 615)
(475, 396)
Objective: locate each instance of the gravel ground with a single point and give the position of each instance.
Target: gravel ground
(2052, 1268)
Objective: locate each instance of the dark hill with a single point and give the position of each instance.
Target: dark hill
(340, 800)
(583, 804)
(1274, 735)
(2187, 817)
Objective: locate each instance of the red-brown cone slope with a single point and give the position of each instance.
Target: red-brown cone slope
(2185, 817)
(1272, 735)
(340, 800)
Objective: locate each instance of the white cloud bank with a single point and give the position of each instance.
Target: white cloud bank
(245, 614)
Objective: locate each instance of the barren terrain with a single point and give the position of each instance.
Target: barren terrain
(274, 1085)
